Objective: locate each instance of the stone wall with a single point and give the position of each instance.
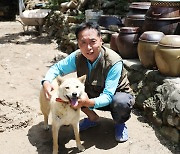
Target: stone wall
(158, 97)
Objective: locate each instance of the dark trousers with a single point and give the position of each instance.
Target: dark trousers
(120, 107)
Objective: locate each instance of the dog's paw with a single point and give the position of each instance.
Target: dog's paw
(46, 127)
(81, 148)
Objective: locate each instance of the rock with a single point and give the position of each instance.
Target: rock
(157, 96)
(170, 133)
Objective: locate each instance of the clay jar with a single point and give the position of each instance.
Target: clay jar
(113, 44)
(138, 7)
(127, 42)
(147, 44)
(167, 55)
(135, 20)
(163, 16)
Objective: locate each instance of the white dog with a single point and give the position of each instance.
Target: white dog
(65, 94)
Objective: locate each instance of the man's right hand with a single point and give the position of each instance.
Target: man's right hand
(47, 86)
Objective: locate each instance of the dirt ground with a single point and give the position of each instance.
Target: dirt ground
(24, 60)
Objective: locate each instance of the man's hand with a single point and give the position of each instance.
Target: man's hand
(84, 101)
(47, 89)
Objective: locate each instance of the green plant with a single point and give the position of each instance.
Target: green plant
(121, 7)
(54, 4)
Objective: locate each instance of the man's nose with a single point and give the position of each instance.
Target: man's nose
(89, 46)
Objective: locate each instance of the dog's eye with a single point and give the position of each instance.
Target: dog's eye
(67, 87)
(77, 86)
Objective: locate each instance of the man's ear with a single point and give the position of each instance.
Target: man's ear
(82, 78)
(60, 79)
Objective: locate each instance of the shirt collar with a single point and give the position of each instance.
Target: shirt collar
(95, 62)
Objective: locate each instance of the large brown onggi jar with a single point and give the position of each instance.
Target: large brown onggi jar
(135, 20)
(113, 44)
(167, 55)
(138, 7)
(163, 16)
(127, 42)
(147, 44)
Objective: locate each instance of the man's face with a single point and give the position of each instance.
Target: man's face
(90, 43)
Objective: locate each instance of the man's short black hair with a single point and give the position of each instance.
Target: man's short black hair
(89, 25)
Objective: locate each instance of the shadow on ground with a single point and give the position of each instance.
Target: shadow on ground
(92, 137)
(31, 37)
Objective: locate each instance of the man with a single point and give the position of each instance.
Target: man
(106, 85)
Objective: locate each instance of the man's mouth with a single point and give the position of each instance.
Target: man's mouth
(90, 53)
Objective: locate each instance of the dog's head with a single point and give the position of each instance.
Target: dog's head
(71, 89)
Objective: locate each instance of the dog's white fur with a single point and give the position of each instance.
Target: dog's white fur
(62, 112)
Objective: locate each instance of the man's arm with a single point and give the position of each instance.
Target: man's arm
(63, 67)
(111, 84)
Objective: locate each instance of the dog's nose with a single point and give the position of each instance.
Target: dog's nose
(74, 94)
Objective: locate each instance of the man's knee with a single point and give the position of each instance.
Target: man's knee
(121, 106)
(123, 100)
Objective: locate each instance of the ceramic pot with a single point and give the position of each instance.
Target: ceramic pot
(113, 44)
(107, 20)
(127, 42)
(164, 9)
(167, 55)
(162, 16)
(135, 20)
(138, 7)
(147, 44)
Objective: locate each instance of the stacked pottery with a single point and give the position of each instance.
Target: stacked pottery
(147, 44)
(138, 7)
(135, 20)
(167, 55)
(163, 16)
(127, 42)
(136, 14)
(113, 42)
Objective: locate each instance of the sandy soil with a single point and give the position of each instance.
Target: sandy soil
(24, 59)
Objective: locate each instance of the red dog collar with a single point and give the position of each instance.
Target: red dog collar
(59, 100)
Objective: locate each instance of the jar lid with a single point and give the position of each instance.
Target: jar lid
(165, 1)
(136, 16)
(140, 5)
(129, 30)
(151, 36)
(170, 41)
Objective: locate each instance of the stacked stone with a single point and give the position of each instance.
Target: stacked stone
(158, 97)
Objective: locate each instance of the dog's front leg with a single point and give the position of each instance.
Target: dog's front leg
(46, 126)
(55, 131)
(77, 137)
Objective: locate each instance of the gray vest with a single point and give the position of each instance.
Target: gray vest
(95, 83)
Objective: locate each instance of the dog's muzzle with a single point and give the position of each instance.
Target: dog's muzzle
(73, 99)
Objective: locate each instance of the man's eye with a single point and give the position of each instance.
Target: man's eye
(93, 41)
(83, 42)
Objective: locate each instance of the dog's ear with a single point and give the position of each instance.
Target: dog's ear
(82, 78)
(60, 79)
